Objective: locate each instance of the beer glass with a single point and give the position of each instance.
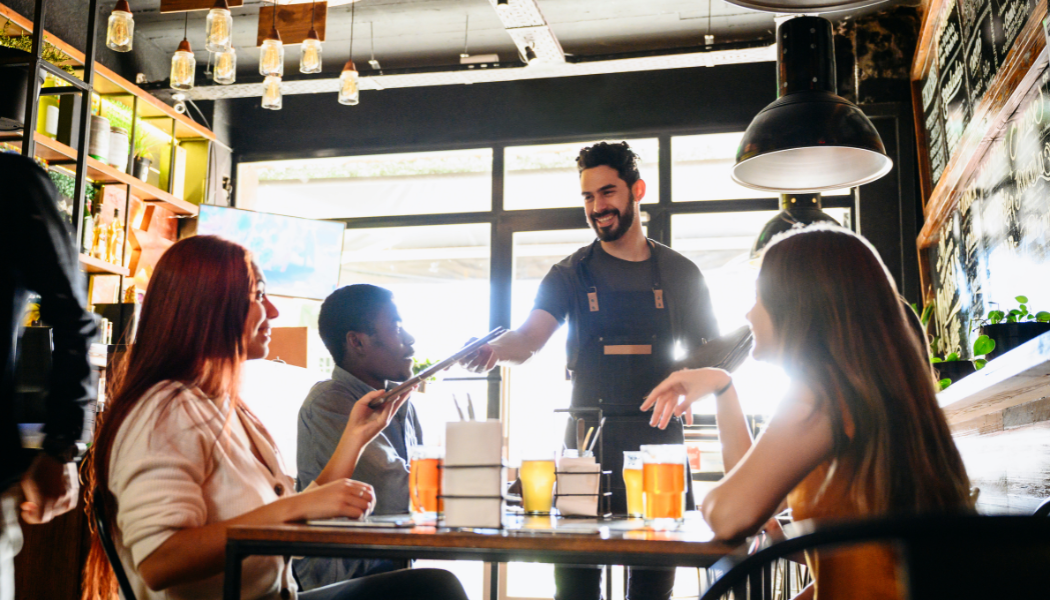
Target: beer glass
(537, 485)
(632, 478)
(424, 479)
(663, 484)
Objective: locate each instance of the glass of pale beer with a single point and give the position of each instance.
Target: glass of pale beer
(663, 484)
(537, 485)
(632, 478)
(424, 479)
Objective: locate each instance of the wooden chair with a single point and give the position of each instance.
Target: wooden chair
(959, 557)
(111, 551)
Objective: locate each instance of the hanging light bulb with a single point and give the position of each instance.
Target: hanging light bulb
(310, 51)
(271, 98)
(121, 28)
(219, 27)
(503, 4)
(310, 56)
(271, 56)
(183, 64)
(225, 66)
(348, 92)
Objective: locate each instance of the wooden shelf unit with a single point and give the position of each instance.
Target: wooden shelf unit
(56, 152)
(101, 267)
(108, 83)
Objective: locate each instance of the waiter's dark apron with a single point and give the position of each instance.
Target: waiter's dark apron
(625, 350)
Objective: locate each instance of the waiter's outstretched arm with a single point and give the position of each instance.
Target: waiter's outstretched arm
(516, 346)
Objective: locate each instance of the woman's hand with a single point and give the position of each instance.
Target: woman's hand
(674, 395)
(340, 498)
(365, 422)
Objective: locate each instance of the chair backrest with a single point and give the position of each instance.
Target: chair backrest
(1043, 510)
(111, 550)
(958, 557)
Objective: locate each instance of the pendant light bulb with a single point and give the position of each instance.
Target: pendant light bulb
(183, 67)
(502, 4)
(120, 30)
(310, 54)
(271, 58)
(271, 98)
(348, 92)
(225, 71)
(219, 27)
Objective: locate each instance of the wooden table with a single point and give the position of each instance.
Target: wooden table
(618, 542)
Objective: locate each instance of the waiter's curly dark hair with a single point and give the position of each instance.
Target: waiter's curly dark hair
(618, 156)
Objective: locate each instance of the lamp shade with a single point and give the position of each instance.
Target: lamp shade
(795, 210)
(809, 139)
(805, 6)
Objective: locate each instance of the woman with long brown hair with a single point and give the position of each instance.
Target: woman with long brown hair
(859, 432)
(178, 458)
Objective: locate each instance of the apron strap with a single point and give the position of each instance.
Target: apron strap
(592, 293)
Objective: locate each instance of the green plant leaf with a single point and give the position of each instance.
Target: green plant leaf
(1011, 319)
(979, 363)
(944, 383)
(1023, 308)
(1022, 299)
(995, 316)
(1014, 312)
(936, 359)
(983, 345)
(1042, 316)
(951, 357)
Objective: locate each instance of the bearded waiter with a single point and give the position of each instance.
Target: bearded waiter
(629, 302)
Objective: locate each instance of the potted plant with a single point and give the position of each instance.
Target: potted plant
(1010, 329)
(143, 154)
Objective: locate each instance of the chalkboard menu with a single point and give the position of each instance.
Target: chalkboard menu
(995, 245)
(972, 40)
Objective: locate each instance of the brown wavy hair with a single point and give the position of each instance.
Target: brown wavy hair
(843, 333)
(192, 330)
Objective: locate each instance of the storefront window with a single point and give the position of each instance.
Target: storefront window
(369, 186)
(546, 176)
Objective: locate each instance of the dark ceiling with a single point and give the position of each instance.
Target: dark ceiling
(413, 34)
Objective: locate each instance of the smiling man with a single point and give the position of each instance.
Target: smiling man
(629, 303)
(360, 326)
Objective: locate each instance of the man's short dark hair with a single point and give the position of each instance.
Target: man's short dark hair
(350, 308)
(618, 156)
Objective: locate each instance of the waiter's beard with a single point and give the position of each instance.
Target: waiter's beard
(623, 222)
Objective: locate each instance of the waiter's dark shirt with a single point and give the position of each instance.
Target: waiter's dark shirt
(562, 293)
(39, 256)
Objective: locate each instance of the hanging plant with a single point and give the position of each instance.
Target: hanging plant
(50, 52)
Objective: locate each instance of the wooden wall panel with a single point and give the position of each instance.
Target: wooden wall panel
(293, 22)
(1011, 467)
(167, 6)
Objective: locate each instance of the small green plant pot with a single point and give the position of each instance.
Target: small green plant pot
(954, 369)
(1008, 336)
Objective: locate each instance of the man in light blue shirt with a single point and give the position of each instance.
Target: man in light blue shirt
(360, 326)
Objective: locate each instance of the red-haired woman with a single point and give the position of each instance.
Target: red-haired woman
(178, 458)
(859, 432)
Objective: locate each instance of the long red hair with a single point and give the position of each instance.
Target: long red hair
(192, 330)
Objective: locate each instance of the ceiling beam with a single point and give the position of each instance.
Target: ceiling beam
(468, 74)
(528, 28)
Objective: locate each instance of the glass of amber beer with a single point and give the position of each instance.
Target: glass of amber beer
(663, 484)
(537, 485)
(424, 479)
(632, 478)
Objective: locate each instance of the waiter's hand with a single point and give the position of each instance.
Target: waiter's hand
(481, 360)
(674, 395)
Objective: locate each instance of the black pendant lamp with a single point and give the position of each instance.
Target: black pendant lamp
(809, 139)
(795, 210)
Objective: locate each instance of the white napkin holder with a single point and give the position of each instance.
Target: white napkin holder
(473, 475)
(578, 487)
